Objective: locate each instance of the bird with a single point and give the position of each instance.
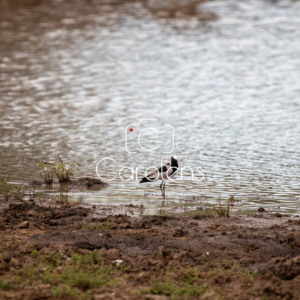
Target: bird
(163, 173)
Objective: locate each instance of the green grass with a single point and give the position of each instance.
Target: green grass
(167, 289)
(34, 253)
(59, 290)
(4, 284)
(100, 226)
(189, 276)
(193, 282)
(54, 260)
(86, 280)
(29, 273)
(88, 259)
(74, 277)
(49, 277)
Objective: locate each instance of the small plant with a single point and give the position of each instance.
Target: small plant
(222, 212)
(31, 193)
(88, 259)
(29, 272)
(62, 198)
(17, 191)
(123, 269)
(34, 253)
(7, 189)
(14, 192)
(60, 169)
(64, 173)
(53, 260)
(189, 276)
(107, 226)
(170, 269)
(47, 172)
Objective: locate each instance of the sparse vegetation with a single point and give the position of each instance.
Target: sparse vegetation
(166, 288)
(60, 169)
(34, 253)
(100, 226)
(191, 283)
(47, 172)
(4, 284)
(12, 192)
(62, 199)
(78, 274)
(221, 211)
(23, 192)
(51, 258)
(58, 262)
(63, 172)
(16, 192)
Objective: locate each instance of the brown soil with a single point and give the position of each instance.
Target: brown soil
(161, 257)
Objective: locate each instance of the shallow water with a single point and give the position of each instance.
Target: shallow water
(74, 75)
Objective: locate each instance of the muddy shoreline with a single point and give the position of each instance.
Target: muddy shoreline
(149, 257)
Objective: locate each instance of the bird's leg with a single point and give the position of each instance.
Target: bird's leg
(161, 212)
(161, 187)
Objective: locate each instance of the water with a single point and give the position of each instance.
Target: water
(74, 75)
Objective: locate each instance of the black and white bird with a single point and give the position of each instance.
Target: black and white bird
(163, 173)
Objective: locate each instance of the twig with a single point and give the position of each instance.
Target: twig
(227, 215)
(40, 200)
(206, 211)
(219, 213)
(60, 158)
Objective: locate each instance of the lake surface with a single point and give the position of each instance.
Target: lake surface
(226, 75)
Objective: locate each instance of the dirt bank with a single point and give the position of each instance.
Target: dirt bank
(70, 253)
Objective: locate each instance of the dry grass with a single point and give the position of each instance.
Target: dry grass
(222, 211)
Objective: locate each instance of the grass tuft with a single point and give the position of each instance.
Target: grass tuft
(100, 226)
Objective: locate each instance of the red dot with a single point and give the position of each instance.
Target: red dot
(130, 129)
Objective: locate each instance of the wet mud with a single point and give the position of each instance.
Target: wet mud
(243, 257)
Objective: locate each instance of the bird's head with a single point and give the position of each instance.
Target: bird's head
(174, 161)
